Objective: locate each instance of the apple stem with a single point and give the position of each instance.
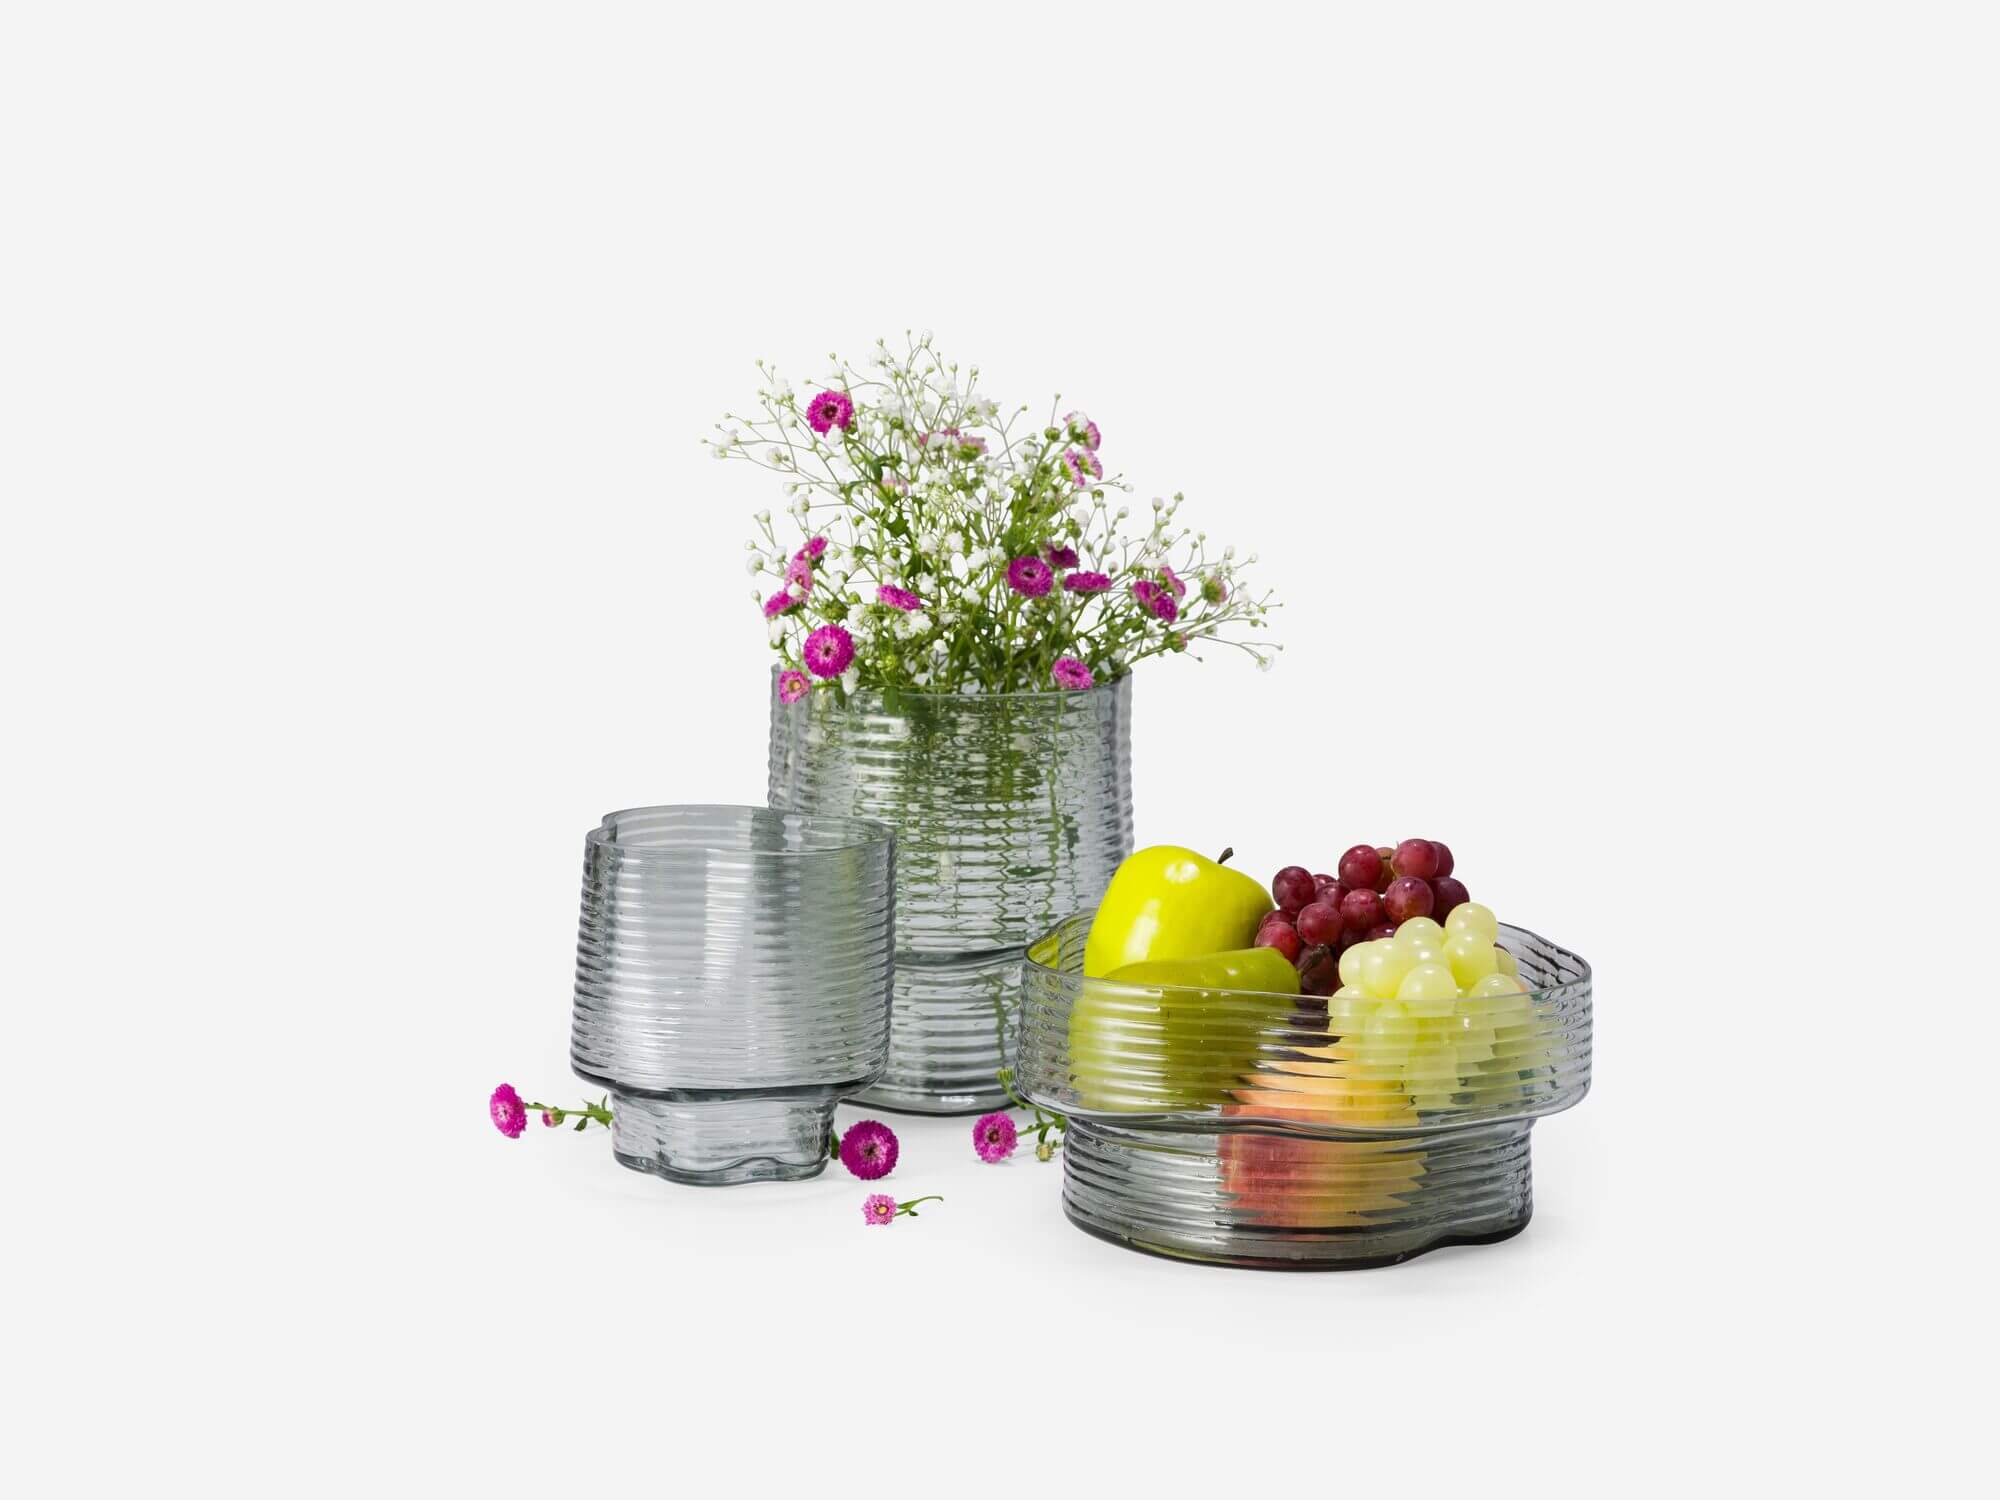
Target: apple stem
(1224, 856)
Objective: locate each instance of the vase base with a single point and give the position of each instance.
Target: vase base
(921, 1102)
(720, 1142)
(954, 1026)
(1285, 1202)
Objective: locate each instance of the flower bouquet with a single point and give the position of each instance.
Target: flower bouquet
(946, 548)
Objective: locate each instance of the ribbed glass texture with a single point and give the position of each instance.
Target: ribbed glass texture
(1278, 1130)
(1010, 810)
(732, 983)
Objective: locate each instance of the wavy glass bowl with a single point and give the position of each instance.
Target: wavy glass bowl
(1010, 809)
(1285, 1131)
(732, 984)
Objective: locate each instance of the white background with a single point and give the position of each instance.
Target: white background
(1610, 391)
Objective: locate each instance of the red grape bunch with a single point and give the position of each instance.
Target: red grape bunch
(1375, 890)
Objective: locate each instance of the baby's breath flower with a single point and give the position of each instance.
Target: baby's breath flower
(952, 529)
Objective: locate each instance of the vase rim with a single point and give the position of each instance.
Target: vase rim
(841, 833)
(1012, 695)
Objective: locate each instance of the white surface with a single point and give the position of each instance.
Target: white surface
(1611, 393)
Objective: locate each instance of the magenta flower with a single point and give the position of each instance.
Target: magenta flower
(828, 651)
(510, 1116)
(799, 575)
(1164, 606)
(812, 551)
(1087, 583)
(1062, 557)
(780, 603)
(994, 1136)
(792, 686)
(1173, 581)
(1030, 576)
(1071, 673)
(897, 598)
(1146, 591)
(1214, 590)
(879, 1208)
(548, 1118)
(830, 409)
(1082, 467)
(868, 1149)
(1091, 436)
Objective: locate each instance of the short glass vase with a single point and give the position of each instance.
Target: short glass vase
(732, 984)
(1292, 1132)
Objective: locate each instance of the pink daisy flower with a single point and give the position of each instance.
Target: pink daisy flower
(1071, 673)
(830, 409)
(1091, 436)
(869, 1149)
(792, 686)
(879, 1208)
(1214, 590)
(897, 598)
(1146, 591)
(1164, 606)
(1061, 557)
(780, 603)
(1082, 467)
(1173, 581)
(1087, 583)
(549, 1119)
(812, 551)
(994, 1136)
(1030, 576)
(510, 1115)
(799, 575)
(829, 651)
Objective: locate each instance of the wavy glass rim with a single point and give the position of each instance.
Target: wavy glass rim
(1055, 935)
(1284, 1063)
(844, 833)
(873, 696)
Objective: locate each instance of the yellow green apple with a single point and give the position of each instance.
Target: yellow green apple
(1168, 902)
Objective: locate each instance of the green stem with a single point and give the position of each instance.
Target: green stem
(596, 1112)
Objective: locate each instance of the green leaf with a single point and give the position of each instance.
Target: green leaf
(583, 1122)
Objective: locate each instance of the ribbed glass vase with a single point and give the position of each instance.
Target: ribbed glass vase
(732, 984)
(1010, 810)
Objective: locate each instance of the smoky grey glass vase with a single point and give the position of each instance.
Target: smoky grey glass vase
(732, 984)
(1010, 810)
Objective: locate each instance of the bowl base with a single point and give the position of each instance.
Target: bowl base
(718, 1142)
(1274, 1201)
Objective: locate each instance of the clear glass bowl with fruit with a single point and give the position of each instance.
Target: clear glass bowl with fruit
(1336, 1072)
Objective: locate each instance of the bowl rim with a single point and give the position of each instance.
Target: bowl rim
(1054, 934)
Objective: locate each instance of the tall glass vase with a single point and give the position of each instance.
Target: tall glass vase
(1011, 811)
